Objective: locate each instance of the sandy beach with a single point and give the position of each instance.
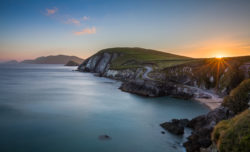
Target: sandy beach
(212, 103)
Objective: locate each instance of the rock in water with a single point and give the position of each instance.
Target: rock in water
(175, 126)
(72, 63)
(104, 137)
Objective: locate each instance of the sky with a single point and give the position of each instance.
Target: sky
(194, 28)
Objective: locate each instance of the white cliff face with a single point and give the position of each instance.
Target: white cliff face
(111, 73)
(89, 63)
(101, 64)
(124, 74)
(93, 62)
(100, 68)
(211, 79)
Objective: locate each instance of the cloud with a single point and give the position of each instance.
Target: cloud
(86, 31)
(85, 18)
(73, 21)
(51, 11)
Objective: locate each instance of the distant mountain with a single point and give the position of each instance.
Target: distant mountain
(10, 62)
(58, 59)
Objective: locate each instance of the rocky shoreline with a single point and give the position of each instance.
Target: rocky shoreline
(202, 127)
(184, 81)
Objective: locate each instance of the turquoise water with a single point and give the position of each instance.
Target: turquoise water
(50, 108)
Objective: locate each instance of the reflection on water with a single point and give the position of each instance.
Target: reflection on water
(51, 108)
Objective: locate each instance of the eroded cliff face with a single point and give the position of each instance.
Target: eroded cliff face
(100, 63)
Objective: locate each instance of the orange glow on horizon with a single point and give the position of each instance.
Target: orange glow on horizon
(219, 57)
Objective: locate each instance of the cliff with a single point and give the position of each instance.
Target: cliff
(153, 73)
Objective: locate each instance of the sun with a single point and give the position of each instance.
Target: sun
(219, 57)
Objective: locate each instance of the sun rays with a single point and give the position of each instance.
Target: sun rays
(212, 70)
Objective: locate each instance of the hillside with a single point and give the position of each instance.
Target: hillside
(58, 59)
(233, 134)
(124, 58)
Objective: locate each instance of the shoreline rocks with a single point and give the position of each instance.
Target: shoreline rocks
(176, 126)
(202, 128)
(144, 88)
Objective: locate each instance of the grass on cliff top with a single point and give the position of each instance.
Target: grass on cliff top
(234, 134)
(139, 57)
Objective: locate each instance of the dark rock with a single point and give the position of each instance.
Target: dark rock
(104, 137)
(163, 132)
(175, 126)
(202, 128)
(97, 74)
(146, 88)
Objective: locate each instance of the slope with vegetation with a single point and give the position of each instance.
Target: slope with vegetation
(138, 57)
(233, 135)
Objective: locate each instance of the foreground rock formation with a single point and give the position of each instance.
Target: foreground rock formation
(202, 128)
(175, 126)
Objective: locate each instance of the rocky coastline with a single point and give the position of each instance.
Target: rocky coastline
(184, 81)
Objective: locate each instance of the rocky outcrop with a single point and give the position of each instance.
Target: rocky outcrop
(72, 63)
(155, 89)
(99, 63)
(176, 126)
(202, 128)
(145, 88)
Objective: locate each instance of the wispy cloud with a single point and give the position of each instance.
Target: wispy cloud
(51, 11)
(86, 31)
(85, 18)
(73, 21)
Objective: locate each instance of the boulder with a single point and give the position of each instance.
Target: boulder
(175, 126)
(104, 137)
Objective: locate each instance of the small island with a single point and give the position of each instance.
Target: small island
(72, 63)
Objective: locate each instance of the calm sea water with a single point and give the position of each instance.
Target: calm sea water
(50, 108)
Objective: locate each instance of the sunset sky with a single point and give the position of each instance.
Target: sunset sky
(195, 28)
